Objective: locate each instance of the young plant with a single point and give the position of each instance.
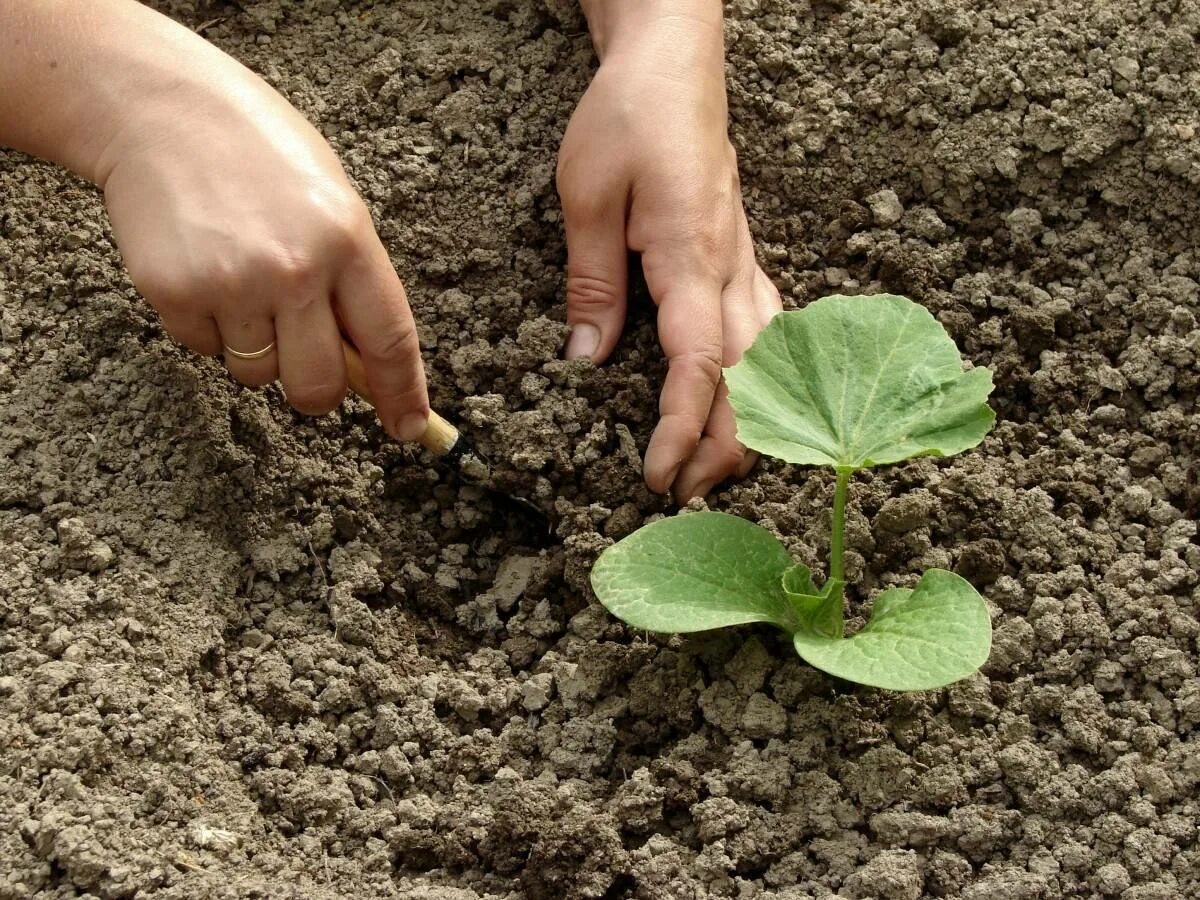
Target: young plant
(849, 383)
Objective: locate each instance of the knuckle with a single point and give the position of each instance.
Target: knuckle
(164, 290)
(226, 275)
(397, 342)
(562, 170)
(590, 292)
(318, 398)
(731, 162)
(705, 360)
(707, 241)
(586, 193)
(772, 289)
(582, 205)
(703, 240)
(566, 169)
(729, 459)
(405, 398)
(345, 223)
(289, 266)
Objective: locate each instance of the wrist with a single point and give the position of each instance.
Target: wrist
(90, 81)
(214, 96)
(169, 93)
(619, 24)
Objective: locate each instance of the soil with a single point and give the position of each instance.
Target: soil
(248, 654)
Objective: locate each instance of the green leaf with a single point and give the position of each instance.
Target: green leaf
(857, 381)
(916, 640)
(798, 580)
(694, 572)
(818, 610)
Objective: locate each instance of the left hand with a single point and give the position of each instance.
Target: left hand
(646, 165)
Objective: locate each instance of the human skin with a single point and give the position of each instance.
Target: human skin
(238, 224)
(646, 165)
(234, 216)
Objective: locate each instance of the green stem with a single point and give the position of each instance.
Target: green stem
(837, 567)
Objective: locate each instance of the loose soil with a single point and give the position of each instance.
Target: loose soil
(248, 654)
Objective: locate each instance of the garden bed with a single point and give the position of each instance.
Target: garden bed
(248, 654)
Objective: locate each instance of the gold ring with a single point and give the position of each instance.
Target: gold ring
(257, 354)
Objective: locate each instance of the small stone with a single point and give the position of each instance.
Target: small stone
(891, 875)
(1112, 879)
(836, 277)
(512, 578)
(925, 223)
(10, 330)
(535, 693)
(58, 641)
(254, 639)
(1135, 501)
(905, 513)
(1006, 162)
(395, 766)
(628, 446)
(886, 208)
(1126, 68)
(763, 718)
(1108, 415)
(1024, 223)
(218, 840)
(76, 238)
(80, 549)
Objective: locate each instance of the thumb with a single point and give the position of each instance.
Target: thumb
(597, 281)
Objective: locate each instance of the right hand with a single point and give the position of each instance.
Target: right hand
(238, 224)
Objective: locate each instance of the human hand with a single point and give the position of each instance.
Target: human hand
(234, 216)
(238, 224)
(646, 165)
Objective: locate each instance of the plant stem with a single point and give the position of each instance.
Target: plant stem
(837, 568)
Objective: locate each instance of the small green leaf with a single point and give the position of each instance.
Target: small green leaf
(818, 610)
(798, 580)
(858, 381)
(694, 572)
(918, 639)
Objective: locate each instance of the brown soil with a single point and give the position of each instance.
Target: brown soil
(246, 654)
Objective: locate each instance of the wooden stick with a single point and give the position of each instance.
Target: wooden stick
(439, 437)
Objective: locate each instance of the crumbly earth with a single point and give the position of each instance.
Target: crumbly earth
(246, 654)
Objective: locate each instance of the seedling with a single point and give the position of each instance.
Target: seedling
(849, 383)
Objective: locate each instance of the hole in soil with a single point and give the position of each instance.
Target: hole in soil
(754, 868)
(210, 660)
(621, 887)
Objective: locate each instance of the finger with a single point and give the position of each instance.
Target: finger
(311, 365)
(720, 455)
(689, 328)
(767, 301)
(597, 279)
(198, 333)
(374, 311)
(249, 334)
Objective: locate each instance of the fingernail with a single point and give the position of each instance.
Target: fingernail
(411, 426)
(583, 342)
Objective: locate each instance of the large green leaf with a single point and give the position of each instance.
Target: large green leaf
(694, 572)
(918, 639)
(856, 382)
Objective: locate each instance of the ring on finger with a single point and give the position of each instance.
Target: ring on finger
(256, 354)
